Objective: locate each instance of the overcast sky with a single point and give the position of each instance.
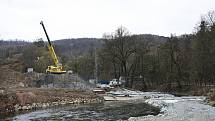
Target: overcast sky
(92, 18)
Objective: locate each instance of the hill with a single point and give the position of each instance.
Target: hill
(77, 46)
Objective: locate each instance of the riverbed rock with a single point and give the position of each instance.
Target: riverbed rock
(24, 107)
(212, 103)
(16, 107)
(2, 91)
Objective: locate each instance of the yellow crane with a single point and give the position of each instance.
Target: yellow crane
(57, 68)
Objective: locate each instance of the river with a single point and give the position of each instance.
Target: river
(107, 111)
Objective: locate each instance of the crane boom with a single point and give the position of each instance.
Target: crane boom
(50, 47)
(57, 68)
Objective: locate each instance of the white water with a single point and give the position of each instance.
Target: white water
(187, 108)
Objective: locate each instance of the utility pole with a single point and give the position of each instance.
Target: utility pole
(96, 66)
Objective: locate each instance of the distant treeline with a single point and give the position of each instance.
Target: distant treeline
(176, 60)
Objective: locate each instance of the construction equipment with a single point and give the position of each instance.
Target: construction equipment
(57, 68)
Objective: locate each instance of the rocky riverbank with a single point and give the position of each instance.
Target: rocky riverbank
(36, 98)
(185, 108)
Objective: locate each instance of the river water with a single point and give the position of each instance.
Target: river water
(107, 111)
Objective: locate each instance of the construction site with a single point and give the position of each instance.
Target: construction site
(161, 70)
(31, 90)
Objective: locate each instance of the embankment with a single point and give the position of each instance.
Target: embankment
(35, 98)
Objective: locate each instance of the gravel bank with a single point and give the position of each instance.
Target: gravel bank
(191, 108)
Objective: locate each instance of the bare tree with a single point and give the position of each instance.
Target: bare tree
(121, 47)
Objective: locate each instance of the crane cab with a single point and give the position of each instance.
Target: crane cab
(55, 69)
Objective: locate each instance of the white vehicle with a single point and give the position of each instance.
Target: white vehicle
(115, 82)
